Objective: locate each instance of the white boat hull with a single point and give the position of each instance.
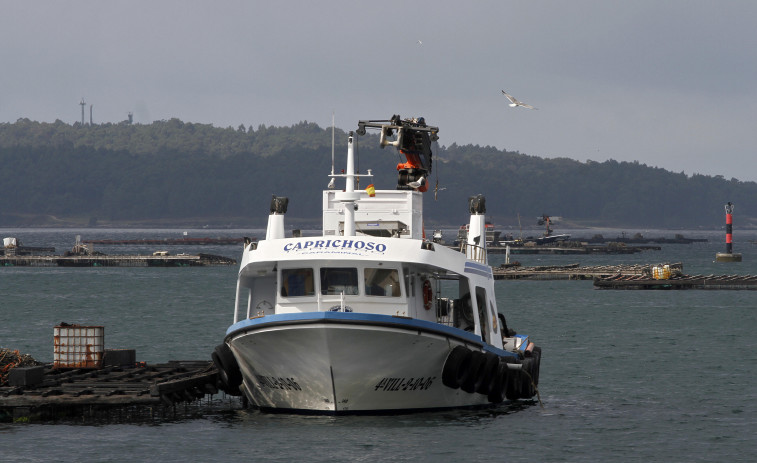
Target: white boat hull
(325, 365)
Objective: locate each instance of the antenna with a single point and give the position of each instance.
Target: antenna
(331, 183)
(83, 104)
(90, 115)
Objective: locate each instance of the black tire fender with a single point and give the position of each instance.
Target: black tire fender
(475, 370)
(527, 389)
(512, 390)
(228, 369)
(499, 383)
(488, 373)
(456, 366)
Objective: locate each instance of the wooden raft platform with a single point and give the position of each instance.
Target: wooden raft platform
(573, 249)
(733, 282)
(116, 261)
(82, 392)
(568, 272)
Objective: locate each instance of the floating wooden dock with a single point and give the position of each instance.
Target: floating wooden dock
(184, 241)
(575, 248)
(91, 393)
(638, 238)
(732, 282)
(115, 261)
(568, 272)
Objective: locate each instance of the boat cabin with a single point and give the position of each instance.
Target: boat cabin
(373, 258)
(384, 288)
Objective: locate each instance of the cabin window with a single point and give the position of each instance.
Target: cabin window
(382, 282)
(297, 282)
(481, 305)
(494, 316)
(339, 280)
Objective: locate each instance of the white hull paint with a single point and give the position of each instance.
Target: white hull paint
(347, 367)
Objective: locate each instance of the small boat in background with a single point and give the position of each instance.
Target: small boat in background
(548, 237)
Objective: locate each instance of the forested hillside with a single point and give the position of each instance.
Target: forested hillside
(171, 172)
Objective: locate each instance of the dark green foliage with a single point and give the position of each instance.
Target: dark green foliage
(177, 170)
(609, 193)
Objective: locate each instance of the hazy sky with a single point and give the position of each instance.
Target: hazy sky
(671, 84)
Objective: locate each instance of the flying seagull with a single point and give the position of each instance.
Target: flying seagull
(514, 102)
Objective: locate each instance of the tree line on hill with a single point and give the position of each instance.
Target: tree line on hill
(176, 171)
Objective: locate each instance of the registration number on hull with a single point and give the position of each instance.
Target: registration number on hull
(405, 384)
(288, 384)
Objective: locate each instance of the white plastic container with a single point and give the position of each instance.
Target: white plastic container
(661, 272)
(78, 346)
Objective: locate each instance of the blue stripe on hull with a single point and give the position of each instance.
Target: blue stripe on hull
(361, 318)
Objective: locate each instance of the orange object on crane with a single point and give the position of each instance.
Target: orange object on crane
(413, 141)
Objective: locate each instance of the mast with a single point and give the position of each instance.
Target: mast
(349, 196)
(331, 182)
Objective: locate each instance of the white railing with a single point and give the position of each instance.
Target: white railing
(473, 252)
(326, 304)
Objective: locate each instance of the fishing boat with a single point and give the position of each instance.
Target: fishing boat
(548, 237)
(371, 317)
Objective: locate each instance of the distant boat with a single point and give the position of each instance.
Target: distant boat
(548, 237)
(551, 239)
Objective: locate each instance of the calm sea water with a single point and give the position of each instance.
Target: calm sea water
(626, 375)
